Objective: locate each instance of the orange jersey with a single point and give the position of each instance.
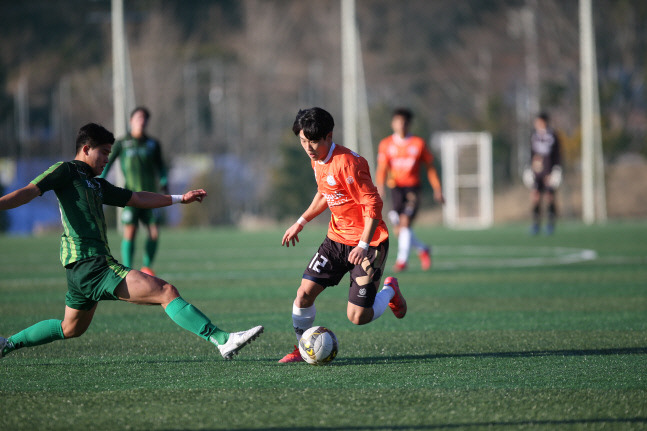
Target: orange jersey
(344, 179)
(402, 157)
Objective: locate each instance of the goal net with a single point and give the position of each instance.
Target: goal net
(466, 159)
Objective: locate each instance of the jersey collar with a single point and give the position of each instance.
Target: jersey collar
(398, 140)
(327, 159)
(83, 166)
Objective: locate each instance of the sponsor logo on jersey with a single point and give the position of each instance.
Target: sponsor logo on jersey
(336, 198)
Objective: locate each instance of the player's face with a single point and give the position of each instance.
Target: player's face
(399, 125)
(137, 123)
(316, 150)
(97, 157)
(540, 124)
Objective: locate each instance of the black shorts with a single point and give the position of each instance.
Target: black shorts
(330, 263)
(406, 200)
(540, 184)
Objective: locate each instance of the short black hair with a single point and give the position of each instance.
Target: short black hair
(403, 112)
(544, 116)
(144, 110)
(315, 122)
(93, 135)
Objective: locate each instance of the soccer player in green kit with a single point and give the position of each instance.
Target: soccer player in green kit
(143, 167)
(93, 274)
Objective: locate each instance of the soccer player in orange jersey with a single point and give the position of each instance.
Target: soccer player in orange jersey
(400, 156)
(357, 239)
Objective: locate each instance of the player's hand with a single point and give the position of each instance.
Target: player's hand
(440, 198)
(194, 196)
(357, 255)
(292, 234)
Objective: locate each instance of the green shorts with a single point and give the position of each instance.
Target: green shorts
(92, 280)
(132, 215)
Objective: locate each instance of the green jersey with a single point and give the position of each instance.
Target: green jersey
(80, 199)
(141, 163)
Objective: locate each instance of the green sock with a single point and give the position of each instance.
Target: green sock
(127, 251)
(42, 332)
(192, 319)
(149, 251)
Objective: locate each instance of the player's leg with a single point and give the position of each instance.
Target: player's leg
(140, 288)
(74, 324)
(129, 221)
(552, 211)
(303, 315)
(409, 207)
(303, 308)
(535, 198)
(365, 303)
(152, 240)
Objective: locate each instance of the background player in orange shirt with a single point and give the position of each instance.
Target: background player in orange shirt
(357, 239)
(400, 156)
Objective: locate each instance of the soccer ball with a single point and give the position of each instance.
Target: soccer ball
(318, 345)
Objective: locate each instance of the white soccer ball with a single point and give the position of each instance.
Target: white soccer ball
(318, 345)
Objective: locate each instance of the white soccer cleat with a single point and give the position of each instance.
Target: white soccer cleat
(238, 340)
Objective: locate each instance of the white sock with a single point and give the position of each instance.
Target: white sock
(417, 243)
(404, 244)
(302, 319)
(381, 301)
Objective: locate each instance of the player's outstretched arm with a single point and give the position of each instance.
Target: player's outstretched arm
(432, 176)
(19, 197)
(156, 200)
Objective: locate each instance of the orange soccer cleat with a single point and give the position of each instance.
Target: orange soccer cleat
(425, 259)
(147, 270)
(295, 356)
(399, 266)
(397, 304)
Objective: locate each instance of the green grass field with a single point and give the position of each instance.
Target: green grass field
(506, 332)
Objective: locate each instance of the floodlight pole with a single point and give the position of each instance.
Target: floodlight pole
(593, 193)
(118, 68)
(349, 73)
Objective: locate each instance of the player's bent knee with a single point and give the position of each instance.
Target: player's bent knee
(73, 331)
(169, 292)
(360, 317)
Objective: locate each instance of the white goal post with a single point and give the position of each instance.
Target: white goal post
(466, 159)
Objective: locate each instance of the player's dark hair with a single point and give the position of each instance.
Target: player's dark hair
(403, 112)
(315, 122)
(93, 135)
(143, 109)
(544, 116)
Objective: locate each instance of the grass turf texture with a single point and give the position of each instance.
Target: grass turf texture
(506, 331)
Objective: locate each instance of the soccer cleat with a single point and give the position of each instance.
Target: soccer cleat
(425, 259)
(295, 356)
(550, 229)
(147, 270)
(397, 304)
(534, 229)
(399, 266)
(238, 340)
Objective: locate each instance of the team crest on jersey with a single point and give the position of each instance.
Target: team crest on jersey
(331, 180)
(350, 180)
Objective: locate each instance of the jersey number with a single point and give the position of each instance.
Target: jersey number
(317, 262)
